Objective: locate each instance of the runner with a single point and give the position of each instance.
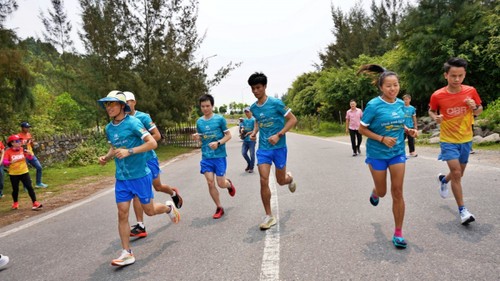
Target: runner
(128, 141)
(270, 115)
(248, 145)
(27, 143)
(457, 105)
(213, 132)
(383, 124)
(139, 229)
(352, 118)
(15, 159)
(411, 123)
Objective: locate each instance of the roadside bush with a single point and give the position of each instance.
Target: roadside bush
(490, 118)
(88, 152)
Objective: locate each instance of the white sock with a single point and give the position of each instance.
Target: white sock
(141, 224)
(173, 194)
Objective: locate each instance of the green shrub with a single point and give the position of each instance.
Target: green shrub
(88, 152)
(490, 118)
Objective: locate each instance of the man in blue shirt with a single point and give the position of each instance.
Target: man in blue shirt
(128, 141)
(273, 120)
(248, 126)
(213, 132)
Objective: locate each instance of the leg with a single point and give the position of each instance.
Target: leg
(360, 139)
(214, 193)
(244, 151)
(252, 154)
(380, 181)
(352, 134)
(139, 212)
(152, 209)
(398, 204)
(123, 225)
(265, 191)
(1, 180)
(14, 181)
(36, 164)
(411, 144)
(26, 180)
(282, 177)
(455, 176)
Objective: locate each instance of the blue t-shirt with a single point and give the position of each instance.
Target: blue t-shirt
(127, 134)
(211, 130)
(248, 124)
(385, 119)
(270, 117)
(149, 125)
(410, 111)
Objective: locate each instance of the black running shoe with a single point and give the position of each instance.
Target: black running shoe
(138, 231)
(177, 198)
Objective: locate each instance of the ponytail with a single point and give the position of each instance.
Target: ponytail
(374, 70)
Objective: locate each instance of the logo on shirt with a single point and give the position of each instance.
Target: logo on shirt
(455, 111)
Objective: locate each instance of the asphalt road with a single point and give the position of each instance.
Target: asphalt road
(327, 229)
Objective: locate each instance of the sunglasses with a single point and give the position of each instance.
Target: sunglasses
(110, 103)
(16, 141)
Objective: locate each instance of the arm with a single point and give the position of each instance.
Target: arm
(149, 144)
(388, 141)
(346, 125)
(215, 144)
(253, 135)
(415, 125)
(433, 114)
(291, 120)
(104, 159)
(156, 134)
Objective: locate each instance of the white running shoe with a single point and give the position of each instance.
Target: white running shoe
(291, 186)
(466, 217)
(4, 260)
(443, 187)
(125, 258)
(267, 223)
(174, 214)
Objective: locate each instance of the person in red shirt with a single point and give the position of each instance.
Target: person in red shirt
(457, 105)
(2, 148)
(15, 158)
(27, 143)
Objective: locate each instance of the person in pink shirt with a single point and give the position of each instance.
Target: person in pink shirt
(352, 121)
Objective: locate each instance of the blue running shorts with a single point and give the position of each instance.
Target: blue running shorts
(276, 156)
(125, 190)
(154, 166)
(383, 164)
(460, 151)
(217, 166)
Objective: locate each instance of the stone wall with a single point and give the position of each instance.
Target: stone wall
(55, 149)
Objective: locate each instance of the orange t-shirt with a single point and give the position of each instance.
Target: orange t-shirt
(457, 116)
(17, 161)
(26, 140)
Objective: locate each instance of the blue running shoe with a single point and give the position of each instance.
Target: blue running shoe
(399, 242)
(373, 200)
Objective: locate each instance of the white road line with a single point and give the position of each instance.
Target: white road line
(65, 209)
(270, 268)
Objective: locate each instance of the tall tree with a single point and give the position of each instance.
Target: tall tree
(6, 8)
(57, 27)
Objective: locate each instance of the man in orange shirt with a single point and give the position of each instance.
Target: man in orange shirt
(27, 143)
(457, 105)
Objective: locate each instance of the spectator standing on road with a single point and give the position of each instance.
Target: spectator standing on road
(457, 105)
(410, 123)
(15, 159)
(383, 123)
(248, 145)
(213, 132)
(139, 229)
(352, 119)
(129, 141)
(2, 153)
(273, 119)
(27, 143)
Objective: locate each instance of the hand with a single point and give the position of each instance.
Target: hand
(213, 145)
(471, 103)
(273, 139)
(196, 136)
(103, 160)
(253, 137)
(413, 133)
(439, 118)
(389, 141)
(346, 131)
(121, 153)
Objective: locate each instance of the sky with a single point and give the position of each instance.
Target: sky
(281, 38)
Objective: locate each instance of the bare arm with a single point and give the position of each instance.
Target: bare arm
(388, 141)
(291, 120)
(156, 134)
(215, 144)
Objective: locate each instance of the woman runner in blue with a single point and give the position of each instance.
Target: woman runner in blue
(383, 124)
(128, 141)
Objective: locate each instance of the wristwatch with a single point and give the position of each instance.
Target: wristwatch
(218, 143)
(130, 151)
